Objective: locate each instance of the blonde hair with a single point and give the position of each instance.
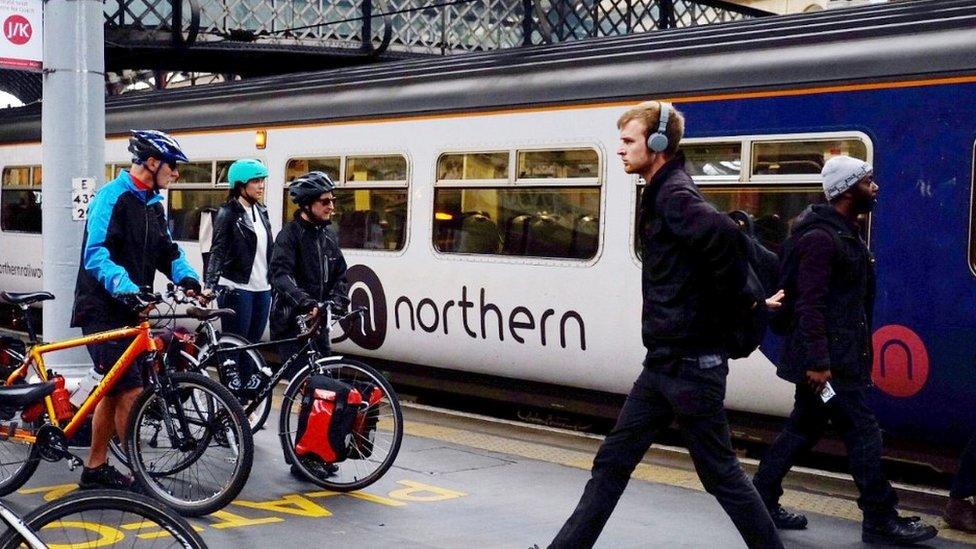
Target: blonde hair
(649, 113)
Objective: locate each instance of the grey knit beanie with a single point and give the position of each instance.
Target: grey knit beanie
(841, 173)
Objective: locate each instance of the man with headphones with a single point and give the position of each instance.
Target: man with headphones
(694, 282)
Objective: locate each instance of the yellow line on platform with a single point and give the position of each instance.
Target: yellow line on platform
(803, 501)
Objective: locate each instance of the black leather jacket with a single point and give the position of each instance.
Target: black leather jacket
(828, 272)
(694, 269)
(307, 267)
(235, 243)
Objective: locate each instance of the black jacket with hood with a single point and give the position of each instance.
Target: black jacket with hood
(306, 268)
(694, 267)
(828, 276)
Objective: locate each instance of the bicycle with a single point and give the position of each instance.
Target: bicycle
(95, 518)
(373, 451)
(203, 357)
(168, 434)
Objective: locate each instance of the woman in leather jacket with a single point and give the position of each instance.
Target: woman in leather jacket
(241, 252)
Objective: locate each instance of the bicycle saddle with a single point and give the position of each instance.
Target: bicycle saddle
(25, 298)
(20, 396)
(206, 314)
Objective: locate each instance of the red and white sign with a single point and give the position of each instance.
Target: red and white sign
(21, 47)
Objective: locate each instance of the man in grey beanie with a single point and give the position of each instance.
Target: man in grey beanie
(827, 273)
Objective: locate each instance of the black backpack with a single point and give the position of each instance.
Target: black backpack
(749, 326)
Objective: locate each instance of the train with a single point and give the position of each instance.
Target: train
(490, 228)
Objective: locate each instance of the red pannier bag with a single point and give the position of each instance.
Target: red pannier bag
(364, 427)
(325, 419)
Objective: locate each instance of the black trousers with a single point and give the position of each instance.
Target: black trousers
(964, 483)
(668, 389)
(849, 414)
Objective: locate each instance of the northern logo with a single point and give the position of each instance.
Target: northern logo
(365, 290)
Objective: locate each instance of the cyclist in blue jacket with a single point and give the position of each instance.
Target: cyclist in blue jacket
(126, 241)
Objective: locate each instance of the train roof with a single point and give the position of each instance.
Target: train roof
(898, 41)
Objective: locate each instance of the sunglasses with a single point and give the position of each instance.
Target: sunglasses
(327, 201)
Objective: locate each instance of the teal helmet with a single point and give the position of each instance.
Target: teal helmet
(244, 170)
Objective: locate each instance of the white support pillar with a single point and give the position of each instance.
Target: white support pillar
(73, 142)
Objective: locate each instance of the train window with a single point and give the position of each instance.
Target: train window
(802, 157)
(525, 221)
(196, 172)
(566, 164)
(371, 207)
(471, 166)
(20, 199)
(782, 179)
(201, 186)
(371, 219)
(301, 166)
(719, 160)
(551, 210)
(376, 168)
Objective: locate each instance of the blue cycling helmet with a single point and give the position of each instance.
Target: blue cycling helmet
(145, 144)
(244, 170)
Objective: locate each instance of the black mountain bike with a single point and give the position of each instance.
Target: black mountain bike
(372, 451)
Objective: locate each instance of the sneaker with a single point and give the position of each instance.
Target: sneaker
(896, 531)
(322, 470)
(787, 520)
(104, 476)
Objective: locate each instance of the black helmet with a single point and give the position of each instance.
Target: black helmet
(310, 186)
(144, 144)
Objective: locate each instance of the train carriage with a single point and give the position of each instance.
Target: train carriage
(490, 228)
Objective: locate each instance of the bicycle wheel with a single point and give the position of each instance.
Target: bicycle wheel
(208, 367)
(199, 469)
(370, 458)
(18, 460)
(98, 518)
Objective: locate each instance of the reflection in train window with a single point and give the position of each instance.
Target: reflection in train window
(371, 203)
(481, 165)
(526, 221)
(376, 168)
(714, 159)
(804, 157)
(566, 164)
(20, 199)
(194, 193)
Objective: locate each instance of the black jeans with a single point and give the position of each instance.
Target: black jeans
(850, 416)
(964, 483)
(668, 389)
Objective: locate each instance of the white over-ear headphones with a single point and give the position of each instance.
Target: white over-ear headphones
(658, 141)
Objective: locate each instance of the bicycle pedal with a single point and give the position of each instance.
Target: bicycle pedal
(74, 462)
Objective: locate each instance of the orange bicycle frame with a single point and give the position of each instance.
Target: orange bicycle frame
(142, 343)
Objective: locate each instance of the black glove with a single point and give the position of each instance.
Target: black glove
(132, 301)
(190, 283)
(340, 304)
(306, 306)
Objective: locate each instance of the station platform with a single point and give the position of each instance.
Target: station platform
(468, 481)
